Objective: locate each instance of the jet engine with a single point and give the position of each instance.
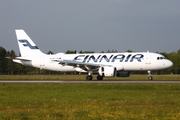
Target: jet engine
(107, 71)
(122, 73)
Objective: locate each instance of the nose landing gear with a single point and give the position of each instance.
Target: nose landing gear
(149, 76)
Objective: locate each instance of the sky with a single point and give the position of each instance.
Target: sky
(92, 25)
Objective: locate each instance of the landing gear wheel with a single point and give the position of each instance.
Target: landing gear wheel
(89, 77)
(99, 77)
(150, 78)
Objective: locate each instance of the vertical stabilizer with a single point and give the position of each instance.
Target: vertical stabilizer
(26, 45)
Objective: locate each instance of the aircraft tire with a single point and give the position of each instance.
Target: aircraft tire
(89, 77)
(150, 78)
(99, 77)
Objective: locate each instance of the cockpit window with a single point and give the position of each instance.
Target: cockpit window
(160, 58)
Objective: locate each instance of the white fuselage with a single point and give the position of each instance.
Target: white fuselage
(140, 61)
(106, 64)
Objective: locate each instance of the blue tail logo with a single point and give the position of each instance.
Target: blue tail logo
(27, 44)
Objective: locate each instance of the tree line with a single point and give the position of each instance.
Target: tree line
(8, 67)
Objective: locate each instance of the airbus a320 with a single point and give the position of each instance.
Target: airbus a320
(105, 64)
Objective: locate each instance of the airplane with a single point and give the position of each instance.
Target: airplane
(105, 64)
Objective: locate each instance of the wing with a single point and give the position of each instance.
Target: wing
(82, 65)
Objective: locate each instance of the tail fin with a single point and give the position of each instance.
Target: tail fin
(26, 45)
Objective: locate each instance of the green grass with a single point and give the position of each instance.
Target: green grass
(89, 101)
(83, 77)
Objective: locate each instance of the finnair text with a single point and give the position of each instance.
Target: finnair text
(109, 58)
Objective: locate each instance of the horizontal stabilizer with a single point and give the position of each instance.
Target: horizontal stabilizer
(21, 58)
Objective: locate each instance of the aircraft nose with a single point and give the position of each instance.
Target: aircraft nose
(169, 64)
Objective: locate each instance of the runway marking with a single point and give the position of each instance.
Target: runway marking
(90, 82)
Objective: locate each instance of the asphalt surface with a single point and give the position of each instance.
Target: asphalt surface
(90, 82)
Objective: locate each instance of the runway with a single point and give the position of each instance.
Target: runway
(92, 82)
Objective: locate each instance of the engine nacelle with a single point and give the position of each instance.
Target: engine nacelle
(107, 71)
(122, 73)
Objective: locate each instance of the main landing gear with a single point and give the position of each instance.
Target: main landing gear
(149, 76)
(89, 77)
(99, 77)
